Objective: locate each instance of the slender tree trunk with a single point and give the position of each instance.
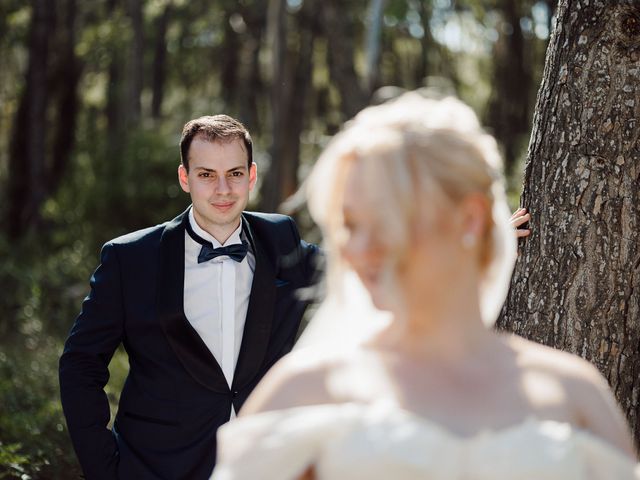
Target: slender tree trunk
(373, 43)
(110, 164)
(160, 62)
(339, 30)
(252, 85)
(280, 92)
(509, 105)
(27, 179)
(135, 63)
(426, 42)
(577, 282)
(229, 62)
(299, 101)
(68, 73)
(115, 90)
(290, 84)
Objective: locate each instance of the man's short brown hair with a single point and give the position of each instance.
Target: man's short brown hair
(214, 128)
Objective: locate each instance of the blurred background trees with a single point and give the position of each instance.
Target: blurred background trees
(93, 97)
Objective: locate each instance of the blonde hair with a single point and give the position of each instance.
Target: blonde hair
(420, 155)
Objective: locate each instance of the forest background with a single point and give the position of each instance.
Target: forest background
(93, 97)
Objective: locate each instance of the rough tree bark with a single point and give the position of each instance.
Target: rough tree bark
(577, 282)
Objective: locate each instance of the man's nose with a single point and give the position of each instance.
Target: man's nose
(222, 185)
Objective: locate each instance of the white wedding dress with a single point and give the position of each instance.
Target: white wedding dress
(383, 442)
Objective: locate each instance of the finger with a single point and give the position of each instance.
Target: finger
(523, 232)
(516, 222)
(518, 213)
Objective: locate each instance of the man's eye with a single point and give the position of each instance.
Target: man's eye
(236, 174)
(204, 174)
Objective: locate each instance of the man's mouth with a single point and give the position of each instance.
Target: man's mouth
(223, 206)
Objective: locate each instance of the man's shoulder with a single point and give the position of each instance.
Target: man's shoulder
(267, 218)
(147, 235)
(277, 233)
(139, 236)
(271, 224)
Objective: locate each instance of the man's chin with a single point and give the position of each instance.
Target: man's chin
(221, 219)
(233, 218)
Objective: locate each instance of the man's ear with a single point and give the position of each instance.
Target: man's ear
(183, 178)
(253, 175)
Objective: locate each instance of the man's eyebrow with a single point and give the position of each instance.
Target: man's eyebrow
(239, 167)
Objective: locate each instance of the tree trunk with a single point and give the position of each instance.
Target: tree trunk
(427, 42)
(373, 43)
(279, 96)
(508, 113)
(339, 31)
(136, 62)
(577, 282)
(68, 71)
(229, 62)
(290, 83)
(160, 62)
(115, 90)
(27, 179)
(298, 102)
(251, 85)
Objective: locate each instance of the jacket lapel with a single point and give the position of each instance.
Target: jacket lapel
(184, 340)
(257, 328)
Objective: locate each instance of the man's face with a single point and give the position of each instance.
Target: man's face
(219, 181)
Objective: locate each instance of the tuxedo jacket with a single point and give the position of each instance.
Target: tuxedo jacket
(175, 396)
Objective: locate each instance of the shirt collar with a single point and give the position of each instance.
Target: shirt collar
(232, 240)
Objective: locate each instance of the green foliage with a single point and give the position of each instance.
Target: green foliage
(35, 443)
(12, 463)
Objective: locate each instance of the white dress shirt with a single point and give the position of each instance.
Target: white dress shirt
(216, 297)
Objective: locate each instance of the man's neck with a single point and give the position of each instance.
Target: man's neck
(220, 232)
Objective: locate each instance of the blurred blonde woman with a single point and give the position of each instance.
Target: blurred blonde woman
(415, 222)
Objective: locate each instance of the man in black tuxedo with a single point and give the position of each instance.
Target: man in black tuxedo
(204, 305)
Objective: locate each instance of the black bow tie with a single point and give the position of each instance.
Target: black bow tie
(236, 252)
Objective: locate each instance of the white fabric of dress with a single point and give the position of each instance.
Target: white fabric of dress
(384, 442)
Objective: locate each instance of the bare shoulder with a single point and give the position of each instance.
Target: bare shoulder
(586, 392)
(565, 366)
(298, 379)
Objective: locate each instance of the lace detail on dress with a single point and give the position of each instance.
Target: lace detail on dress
(377, 442)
